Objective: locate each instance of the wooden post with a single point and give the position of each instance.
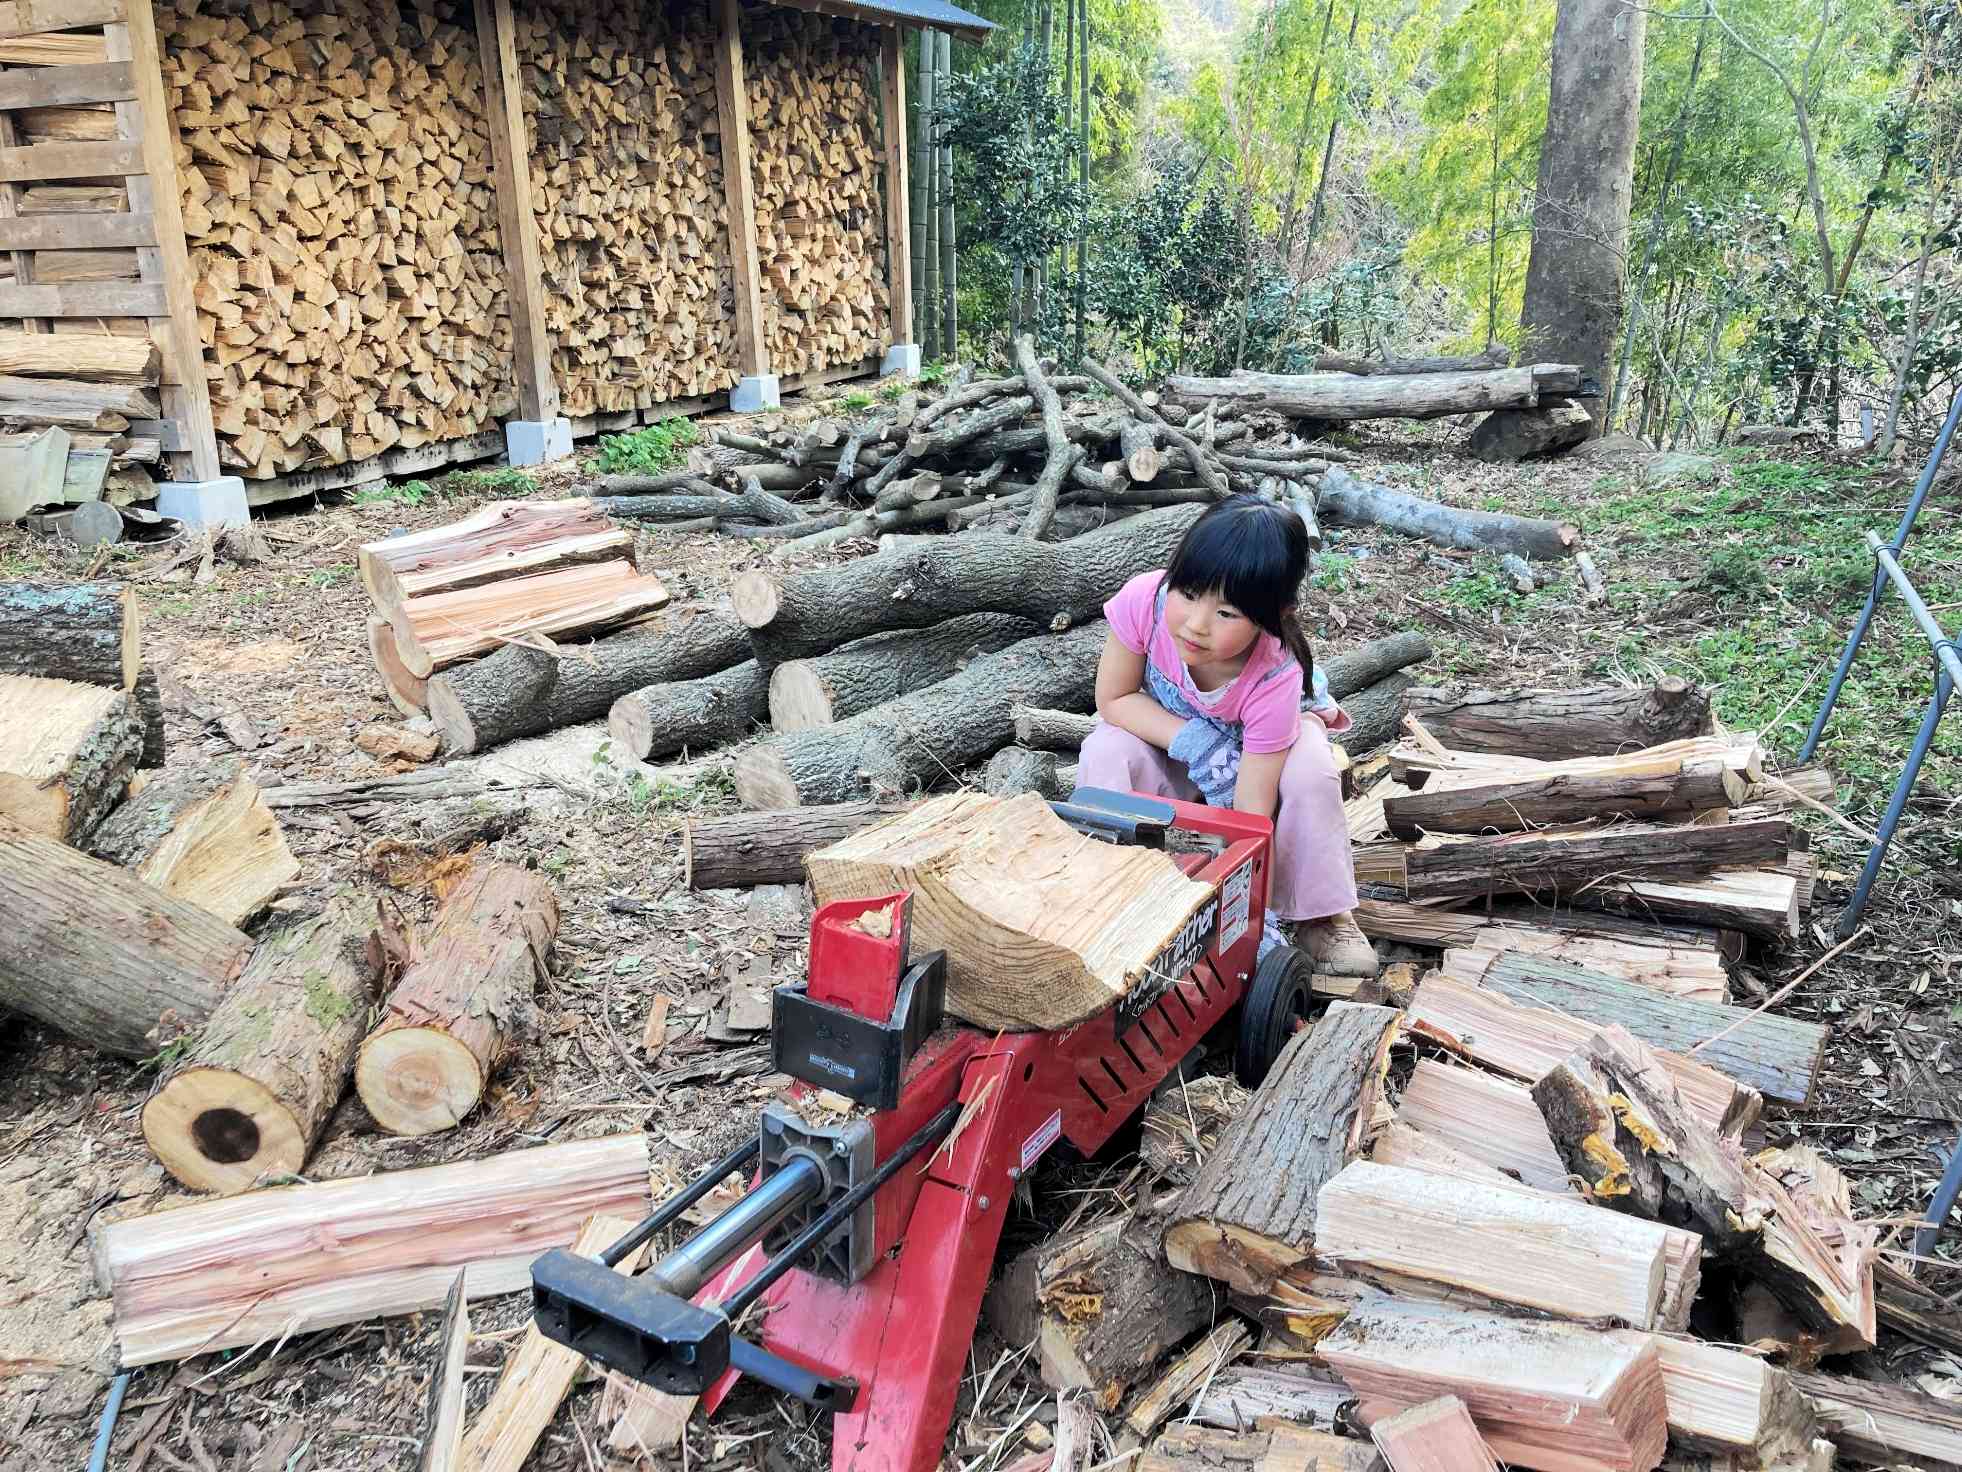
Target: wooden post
(148, 121)
(732, 112)
(899, 260)
(538, 392)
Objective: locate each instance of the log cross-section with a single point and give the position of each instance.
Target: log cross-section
(732, 110)
(531, 347)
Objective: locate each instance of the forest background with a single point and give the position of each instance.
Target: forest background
(1250, 183)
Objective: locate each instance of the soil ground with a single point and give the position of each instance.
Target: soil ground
(1746, 581)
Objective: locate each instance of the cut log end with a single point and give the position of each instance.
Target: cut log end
(216, 1130)
(447, 710)
(630, 726)
(417, 1080)
(764, 780)
(754, 597)
(798, 698)
(407, 691)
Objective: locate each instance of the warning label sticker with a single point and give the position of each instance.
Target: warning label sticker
(1047, 1134)
(1236, 904)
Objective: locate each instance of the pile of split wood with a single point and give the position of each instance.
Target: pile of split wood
(78, 421)
(123, 889)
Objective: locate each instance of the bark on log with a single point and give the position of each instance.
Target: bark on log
(521, 692)
(920, 739)
(85, 632)
(745, 849)
(462, 1003)
(1512, 807)
(97, 953)
(337, 1252)
(1348, 501)
(808, 613)
(1525, 862)
(1051, 730)
(809, 693)
(148, 695)
(1886, 1425)
(1519, 434)
(1376, 713)
(1493, 357)
(1552, 725)
(67, 752)
(690, 715)
(1622, 1127)
(1196, 459)
(1062, 454)
(203, 835)
(1347, 396)
(253, 1092)
(1016, 769)
(752, 503)
(1100, 1303)
(1357, 669)
(1249, 1215)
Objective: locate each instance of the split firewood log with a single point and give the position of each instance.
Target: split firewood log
(790, 617)
(67, 753)
(252, 1093)
(828, 688)
(443, 629)
(503, 540)
(462, 1003)
(690, 715)
(93, 950)
(518, 691)
(203, 834)
(1551, 725)
(922, 738)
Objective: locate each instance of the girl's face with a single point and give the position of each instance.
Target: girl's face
(1207, 629)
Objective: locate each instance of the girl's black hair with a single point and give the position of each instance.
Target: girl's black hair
(1253, 553)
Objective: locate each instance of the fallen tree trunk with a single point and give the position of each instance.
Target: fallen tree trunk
(742, 850)
(1100, 1304)
(1249, 1215)
(1061, 453)
(690, 715)
(522, 692)
(1623, 1127)
(407, 692)
(204, 835)
(1555, 725)
(1495, 356)
(462, 1003)
(920, 739)
(341, 1251)
(1348, 396)
(828, 688)
(808, 613)
(1375, 713)
(67, 752)
(1348, 501)
(1051, 730)
(1399, 1226)
(1526, 862)
(1359, 668)
(94, 951)
(1511, 807)
(1041, 930)
(254, 1090)
(85, 632)
(1546, 1395)
(752, 503)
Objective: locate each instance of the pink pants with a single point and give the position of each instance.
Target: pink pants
(1314, 871)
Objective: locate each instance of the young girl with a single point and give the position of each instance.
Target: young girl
(1200, 692)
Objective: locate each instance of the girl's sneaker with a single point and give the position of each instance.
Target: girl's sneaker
(1337, 946)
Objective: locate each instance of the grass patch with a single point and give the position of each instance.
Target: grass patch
(500, 481)
(856, 402)
(648, 451)
(393, 493)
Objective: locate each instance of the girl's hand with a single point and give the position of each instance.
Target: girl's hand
(1122, 702)
(1259, 788)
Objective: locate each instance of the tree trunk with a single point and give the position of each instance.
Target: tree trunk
(67, 752)
(97, 953)
(741, 850)
(1359, 668)
(1552, 725)
(1062, 454)
(521, 692)
(1083, 174)
(1526, 862)
(809, 613)
(253, 1092)
(1142, 1307)
(927, 736)
(1580, 211)
(1345, 499)
(1375, 713)
(826, 689)
(1911, 339)
(338, 1252)
(462, 1003)
(690, 715)
(752, 503)
(1051, 730)
(1249, 1215)
(944, 172)
(1505, 806)
(929, 324)
(85, 632)
(1346, 396)
(203, 835)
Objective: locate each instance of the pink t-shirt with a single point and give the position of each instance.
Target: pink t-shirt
(1264, 698)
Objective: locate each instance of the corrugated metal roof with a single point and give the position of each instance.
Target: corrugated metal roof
(937, 14)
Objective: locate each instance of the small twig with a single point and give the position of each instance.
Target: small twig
(1783, 992)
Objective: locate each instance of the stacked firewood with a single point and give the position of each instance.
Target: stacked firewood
(335, 167)
(820, 230)
(621, 115)
(513, 569)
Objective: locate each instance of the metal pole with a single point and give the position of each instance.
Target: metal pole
(1897, 804)
(1937, 636)
(675, 1205)
(1942, 1204)
(683, 1271)
(1921, 486)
